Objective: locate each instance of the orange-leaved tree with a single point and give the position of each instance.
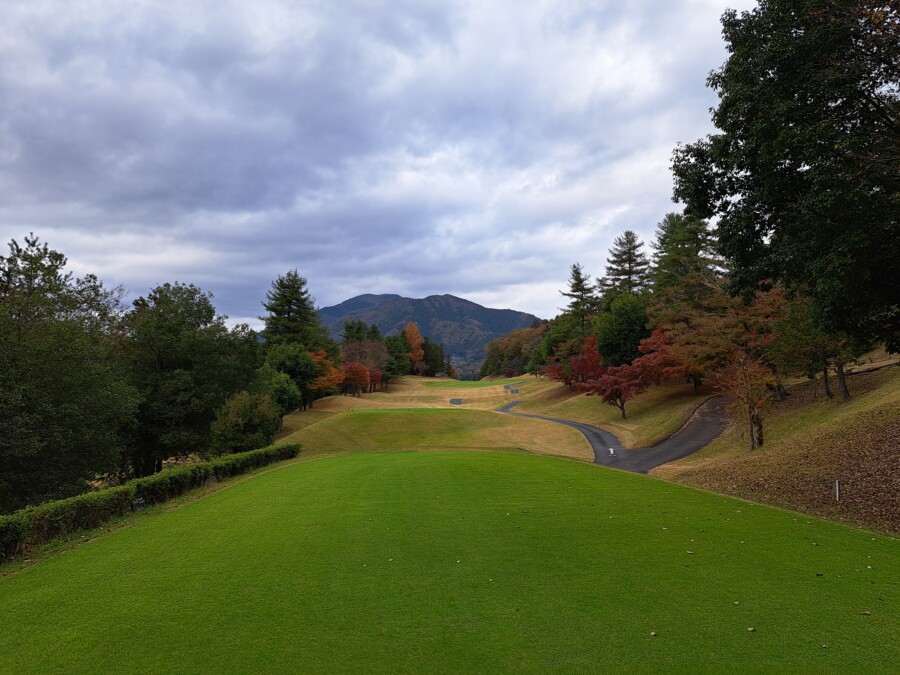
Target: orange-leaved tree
(414, 341)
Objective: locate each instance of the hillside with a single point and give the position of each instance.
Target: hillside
(461, 326)
(811, 442)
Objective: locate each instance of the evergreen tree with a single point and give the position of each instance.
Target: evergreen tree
(355, 330)
(683, 252)
(620, 330)
(627, 265)
(581, 296)
(292, 315)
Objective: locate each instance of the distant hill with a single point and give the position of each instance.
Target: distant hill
(462, 326)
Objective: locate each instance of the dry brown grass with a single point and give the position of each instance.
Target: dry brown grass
(811, 442)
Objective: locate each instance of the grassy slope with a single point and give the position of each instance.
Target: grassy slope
(440, 562)
(811, 441)
(652, 416)
(428, 428)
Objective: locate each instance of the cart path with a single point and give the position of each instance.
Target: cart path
(707, 422)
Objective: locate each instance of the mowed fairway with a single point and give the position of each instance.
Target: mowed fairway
(453, 561)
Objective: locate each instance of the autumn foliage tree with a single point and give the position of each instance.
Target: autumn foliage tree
(414, 341)
(356, 378)
(616, 386)
(328, 376)
(745, 380)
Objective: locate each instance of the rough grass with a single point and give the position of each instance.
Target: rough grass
(427, 428)
(651, 417)
(459, 562)
(809, 443)
(473, 384)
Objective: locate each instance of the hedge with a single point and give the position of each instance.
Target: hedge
(36, 525)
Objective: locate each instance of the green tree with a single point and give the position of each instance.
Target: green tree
(65, 407)
(245, 422)
(279, 387)
(355, 330)
(297, 363)
(582, 301)
(683, 255)
(185, 363)
(620, 330)
(292, 316)
(398, 363)
(803, 172)
(626, 267)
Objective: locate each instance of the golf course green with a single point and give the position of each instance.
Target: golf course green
(458, 561)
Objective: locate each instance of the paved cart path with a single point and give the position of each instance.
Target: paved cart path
(707, 422)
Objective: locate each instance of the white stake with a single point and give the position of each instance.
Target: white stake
(837, 490)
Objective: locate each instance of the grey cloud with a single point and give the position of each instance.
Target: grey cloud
(378, 147)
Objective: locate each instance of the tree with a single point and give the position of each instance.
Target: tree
(626, 266)
(292, 316)
(616, 386)
(745, 381)
(433, 358)
(373, 355)
(803, 172)
(328, 376)
(588, 365)
(582, 298)
(279, 387)
(185, 363)
(398, 364)
(355, 330)
(298, 364)
(620, 330)
(683, 255)
(356, 378)
(65, 405)
(245, 422)
(414, 343)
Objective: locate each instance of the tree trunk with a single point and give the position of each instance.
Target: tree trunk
(621, 406)
(825, 381)
(756, 427)
(842, 379)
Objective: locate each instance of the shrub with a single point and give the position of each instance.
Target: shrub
(39, 524)
(246, 421)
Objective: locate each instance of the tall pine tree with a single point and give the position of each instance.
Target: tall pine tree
(627, 265)
(292, 316)
(582, 299)
(683, 251)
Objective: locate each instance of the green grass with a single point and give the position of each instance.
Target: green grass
(444, 428)
(448, 562)
(473, 384)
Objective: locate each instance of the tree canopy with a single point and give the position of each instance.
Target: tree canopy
(802, 174)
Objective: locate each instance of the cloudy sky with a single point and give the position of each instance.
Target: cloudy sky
(474, 148)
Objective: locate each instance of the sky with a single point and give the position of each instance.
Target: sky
(472, 148)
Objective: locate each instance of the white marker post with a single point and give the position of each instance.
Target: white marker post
(837, 490)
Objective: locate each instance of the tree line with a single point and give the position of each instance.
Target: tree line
(90, 388)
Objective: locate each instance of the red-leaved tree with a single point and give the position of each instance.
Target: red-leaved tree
(356, 378)
(618, 385)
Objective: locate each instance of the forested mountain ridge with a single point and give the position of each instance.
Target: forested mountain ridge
(461, 326)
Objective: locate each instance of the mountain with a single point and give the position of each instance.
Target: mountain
(461, 326)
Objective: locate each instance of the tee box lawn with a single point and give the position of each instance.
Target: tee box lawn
(459, 561)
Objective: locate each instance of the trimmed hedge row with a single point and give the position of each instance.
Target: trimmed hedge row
(39, 524)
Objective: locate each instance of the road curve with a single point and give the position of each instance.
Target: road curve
(707, 422)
